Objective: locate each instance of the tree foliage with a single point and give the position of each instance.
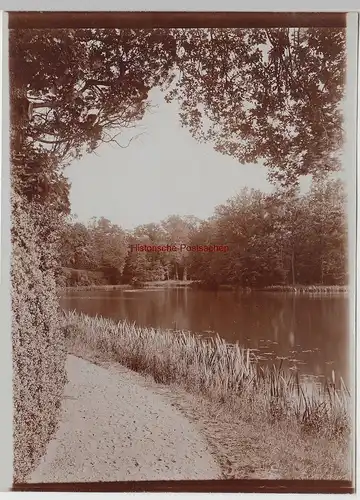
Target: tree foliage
(285, 238)
(83, 85)
(38, 178)
(271, 95)
(72, 90)
(281, 239)
(100, 246)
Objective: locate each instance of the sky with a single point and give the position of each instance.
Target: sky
(163, 172)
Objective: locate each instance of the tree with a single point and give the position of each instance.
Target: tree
(38, 178)
(271, 95)
(153, 234)
(197, 261)
(69, 92)
(74, 88)
(285, 214)
(109, 247)
(178, 230)
(137, 267)
(282, 238)
(328, 238)
(76, 247)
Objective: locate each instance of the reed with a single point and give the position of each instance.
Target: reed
(321, 289)
(218, 370)
(79, 288)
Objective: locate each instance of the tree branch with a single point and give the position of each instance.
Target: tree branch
(95, 83)
(63, 141)
(46, 104)
(113, 139)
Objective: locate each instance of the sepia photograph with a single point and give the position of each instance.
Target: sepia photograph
(182, 251)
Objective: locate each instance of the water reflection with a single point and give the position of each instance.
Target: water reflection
(309, 333)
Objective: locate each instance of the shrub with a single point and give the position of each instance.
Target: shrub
(81, 277)
(37, 337)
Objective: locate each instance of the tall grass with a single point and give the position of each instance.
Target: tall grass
(79, 288)
(216, 369)
(307, 288)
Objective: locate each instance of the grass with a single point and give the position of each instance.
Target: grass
(196, 284)
(94, 287)
(307, 288)
(145, 284)
(166, 283)
(229, 378)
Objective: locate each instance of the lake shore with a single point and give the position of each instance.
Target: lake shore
(140, 285)
(253, 434)
(295, 289)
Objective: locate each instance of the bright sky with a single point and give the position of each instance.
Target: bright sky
(163, 172)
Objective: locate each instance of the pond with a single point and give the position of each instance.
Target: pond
(310, 332)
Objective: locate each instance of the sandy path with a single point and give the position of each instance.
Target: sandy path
(114, 429)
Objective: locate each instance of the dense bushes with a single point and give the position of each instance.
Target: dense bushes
(81, 277)
(38, 340)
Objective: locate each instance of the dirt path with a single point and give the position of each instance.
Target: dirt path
(114, 429)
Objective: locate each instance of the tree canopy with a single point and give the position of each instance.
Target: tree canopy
(284, 238)
(270, 95)
(83, 84)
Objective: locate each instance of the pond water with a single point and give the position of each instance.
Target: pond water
(310, 332)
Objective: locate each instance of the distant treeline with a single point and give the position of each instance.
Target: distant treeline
(285, 238)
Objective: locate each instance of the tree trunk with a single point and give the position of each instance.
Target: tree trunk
(185, 274)
(19, 106)
(322, 270)
(293, 267)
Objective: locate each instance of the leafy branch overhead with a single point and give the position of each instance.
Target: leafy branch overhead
(270, 95)
(73, 88)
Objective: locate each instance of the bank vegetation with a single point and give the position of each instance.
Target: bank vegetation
(315, 417)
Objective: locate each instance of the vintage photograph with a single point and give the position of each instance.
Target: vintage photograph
(180, 248)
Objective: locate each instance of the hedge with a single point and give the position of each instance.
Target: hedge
(37, 340)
